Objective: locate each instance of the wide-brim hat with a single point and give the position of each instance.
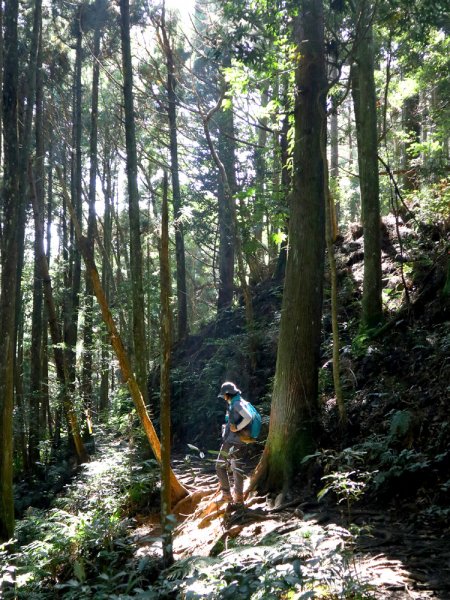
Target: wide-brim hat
(228, 387)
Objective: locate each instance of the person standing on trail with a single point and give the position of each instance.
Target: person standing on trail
(237, 421)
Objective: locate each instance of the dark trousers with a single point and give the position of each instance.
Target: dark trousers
(231, 461)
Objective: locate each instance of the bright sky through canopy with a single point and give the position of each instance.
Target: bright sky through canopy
(185, 8)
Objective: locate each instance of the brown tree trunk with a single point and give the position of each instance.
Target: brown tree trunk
(364, 100)
(182, 316)
(295, 407)
(177, 490)
(139, 328)
(166, 348)
(9, 260)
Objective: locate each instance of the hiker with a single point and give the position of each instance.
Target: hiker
(234, 431)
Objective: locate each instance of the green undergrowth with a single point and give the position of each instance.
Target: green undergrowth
(82, 548)
(84, 536)
(309, 562)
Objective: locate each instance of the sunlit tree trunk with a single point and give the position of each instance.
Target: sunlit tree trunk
(364, 101)
(295, 407)
(11, 206)
(178, 491)
(139, 329)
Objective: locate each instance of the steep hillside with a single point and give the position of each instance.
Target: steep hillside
(396, 382)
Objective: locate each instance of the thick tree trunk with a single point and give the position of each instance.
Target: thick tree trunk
(364, 99)
(11, 207)
(295, 408)
(139, 328)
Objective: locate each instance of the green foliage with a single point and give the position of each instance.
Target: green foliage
(310, 562)
(81, 545)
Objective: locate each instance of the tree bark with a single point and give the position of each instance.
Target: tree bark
(11, 207)
(295, 408)
(227, 188)
(364, 100)
(139, 328)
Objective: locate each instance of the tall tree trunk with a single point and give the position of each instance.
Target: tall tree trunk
(106, 283)
(295, 407)
(227, 188)
(87, 387)
(11, 207)
(139, 330)
(364, 100)
(62, 370)
(37, 316)
(166, 348)
(178, 492)
(73, 286)
(182, 316)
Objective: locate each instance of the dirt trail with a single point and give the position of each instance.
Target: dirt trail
(400, 559)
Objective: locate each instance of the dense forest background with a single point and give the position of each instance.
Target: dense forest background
(255, 191)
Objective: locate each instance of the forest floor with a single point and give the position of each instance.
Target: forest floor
(100, 538)
(365, 553)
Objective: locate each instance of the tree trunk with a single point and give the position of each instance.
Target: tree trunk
(87, 388)
(139, 329)
(37, 315)
(73, 288)
(364, 100)
(182, 317)
(62, 370)
(226, 206)
(11, 207)
(295, 408)
(106, 284)
(177, 490)
(166, 334)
